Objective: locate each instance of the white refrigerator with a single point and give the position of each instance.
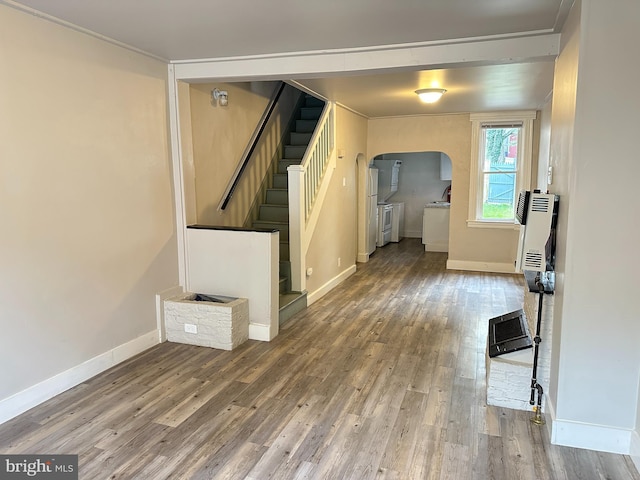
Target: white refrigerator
(372, 206)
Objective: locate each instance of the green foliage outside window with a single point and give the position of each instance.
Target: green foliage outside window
(497, 210)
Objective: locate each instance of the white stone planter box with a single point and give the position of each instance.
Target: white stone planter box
(509, 375)
(207, 324)
(509, 380)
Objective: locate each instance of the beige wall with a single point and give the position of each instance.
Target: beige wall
(335, 234)
(88, 235)
(220, 136)
(450, 134)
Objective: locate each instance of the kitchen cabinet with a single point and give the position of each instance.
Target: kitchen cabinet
(435, 227)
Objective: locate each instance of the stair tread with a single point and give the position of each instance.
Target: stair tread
(288, 298)
(290, 304)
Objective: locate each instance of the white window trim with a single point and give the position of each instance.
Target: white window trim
(523, 177)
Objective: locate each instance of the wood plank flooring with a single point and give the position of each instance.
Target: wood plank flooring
(382, 378)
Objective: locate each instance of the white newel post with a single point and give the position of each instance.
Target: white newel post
(297, 222)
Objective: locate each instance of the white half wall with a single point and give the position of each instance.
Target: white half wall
(237, 263)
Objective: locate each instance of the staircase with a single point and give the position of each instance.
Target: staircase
(274, 213)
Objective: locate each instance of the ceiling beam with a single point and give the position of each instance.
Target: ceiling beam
(385, 59)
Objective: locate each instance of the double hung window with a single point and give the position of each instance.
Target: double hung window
(500, 166)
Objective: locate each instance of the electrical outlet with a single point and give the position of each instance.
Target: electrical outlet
(339, 261)
(190, 328)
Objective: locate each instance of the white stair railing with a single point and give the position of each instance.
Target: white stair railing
(308, 183)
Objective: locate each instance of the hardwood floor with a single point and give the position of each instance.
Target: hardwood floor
(384, 378)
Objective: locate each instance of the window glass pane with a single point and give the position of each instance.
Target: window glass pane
(500, 149)
(501, 155)
(498, 196)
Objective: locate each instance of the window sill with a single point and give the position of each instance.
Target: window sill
(495, 224)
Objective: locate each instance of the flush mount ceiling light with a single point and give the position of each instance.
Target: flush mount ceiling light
(430, 95)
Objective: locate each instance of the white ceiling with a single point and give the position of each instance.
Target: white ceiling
(469, 89)
(180, 30)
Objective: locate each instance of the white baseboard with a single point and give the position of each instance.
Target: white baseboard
(601, 438)
(327, 287)
(436, 247)
(491, 267)
(22, 401)
(549, 413)
(362, 258)
(160, 298)
(589, 436)
(634, 451)
(258, 331)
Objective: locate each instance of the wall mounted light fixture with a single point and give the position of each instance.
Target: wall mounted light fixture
(220, 96)
(430, 95)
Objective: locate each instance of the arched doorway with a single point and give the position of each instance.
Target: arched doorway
(424, 178)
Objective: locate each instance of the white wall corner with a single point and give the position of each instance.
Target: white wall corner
(362, 258)
(22, 401)
(177, 173)
(634, 450)
(327, 287)
(160, 298)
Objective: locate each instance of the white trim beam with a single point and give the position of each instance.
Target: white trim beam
(373, 60)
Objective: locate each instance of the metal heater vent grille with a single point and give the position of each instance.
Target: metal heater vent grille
(540, 204)
(521, 208)
(533, 261)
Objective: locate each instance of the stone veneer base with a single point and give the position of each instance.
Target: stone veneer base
(509, 376)
(219, 325)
